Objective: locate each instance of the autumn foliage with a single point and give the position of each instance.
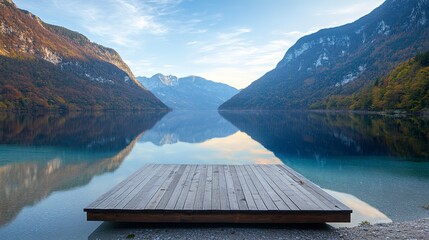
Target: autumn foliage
(406, 88)
(46, 67)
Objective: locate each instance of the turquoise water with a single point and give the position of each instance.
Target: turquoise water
(52, 166)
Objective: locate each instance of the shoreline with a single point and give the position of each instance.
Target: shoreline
(417, 229)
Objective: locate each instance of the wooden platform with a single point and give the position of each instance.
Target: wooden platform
(217, 194)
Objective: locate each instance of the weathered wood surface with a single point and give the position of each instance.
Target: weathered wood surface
(217, 193)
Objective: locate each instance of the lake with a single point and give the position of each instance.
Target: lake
(53, 165)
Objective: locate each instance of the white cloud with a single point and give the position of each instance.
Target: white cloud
(147, 68)
(164, 35)
(192, 43)
(118, 21)
(355, 9)
(235, 58)
(142, 65)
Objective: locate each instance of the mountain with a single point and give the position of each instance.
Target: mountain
(341, 60)
(49, 67)
(406, 88)
(189, 92)
(189, 127)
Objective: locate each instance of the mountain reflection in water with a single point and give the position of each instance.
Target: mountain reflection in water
(382, 160)
(40, 154)
(190, 127)
(311, 134)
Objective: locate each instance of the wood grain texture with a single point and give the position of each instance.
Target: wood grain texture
(217, 193)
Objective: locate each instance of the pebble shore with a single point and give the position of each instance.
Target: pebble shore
(418, 229)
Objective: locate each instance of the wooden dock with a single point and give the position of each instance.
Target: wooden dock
(217, 194)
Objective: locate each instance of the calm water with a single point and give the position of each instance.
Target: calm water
(52, 166)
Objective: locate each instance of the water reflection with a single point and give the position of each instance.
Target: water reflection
(48, 162)
(89, 131)
(199, 137)
(40, 154)
(304, 134)
(361, 210)
(189, 127)
(380, 160)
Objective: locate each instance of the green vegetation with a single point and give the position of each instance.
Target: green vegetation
(131, 236)
(406, 88)
(32, 85)
(423, 59)
(83, 75)
(364, 223)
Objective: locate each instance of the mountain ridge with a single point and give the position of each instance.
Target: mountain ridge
(340, 60)
(47, 67)
(188, 93)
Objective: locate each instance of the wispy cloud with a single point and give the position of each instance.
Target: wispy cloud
(358, 8)
(236, 58)
(141, 65)
(219, 40)
(148, 65)
(192, 43)
(121, 22)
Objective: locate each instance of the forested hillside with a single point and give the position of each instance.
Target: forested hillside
(46, 67)
(406, 88)
(341, 60)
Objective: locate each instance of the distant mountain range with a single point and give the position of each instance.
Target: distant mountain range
(48, 67)
(189, 92)
(342, 60)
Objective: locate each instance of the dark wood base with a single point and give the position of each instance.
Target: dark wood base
(219, 217)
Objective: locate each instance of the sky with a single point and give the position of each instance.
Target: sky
(229, 41)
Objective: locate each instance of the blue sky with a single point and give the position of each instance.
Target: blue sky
(230, 41)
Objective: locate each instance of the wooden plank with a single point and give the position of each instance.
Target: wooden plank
(108, 194)
(213, 193)
(269, 203)
(190, 199)
(223, 191)
(199, 198)
(271, 192)
(207, 204)
(301, 197)
(313, 189)
(246, 190)
(279, 188)
(171, 202)
(153, 188)
(307, 196)
(182, 197)
(170, 189)
(164, 186)
(118, 196)
(232, 198)
(255, 194)
(316, 190)
(294, 195)
(242, 204)
(142, 195)
(215, 189)
(137, 183)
